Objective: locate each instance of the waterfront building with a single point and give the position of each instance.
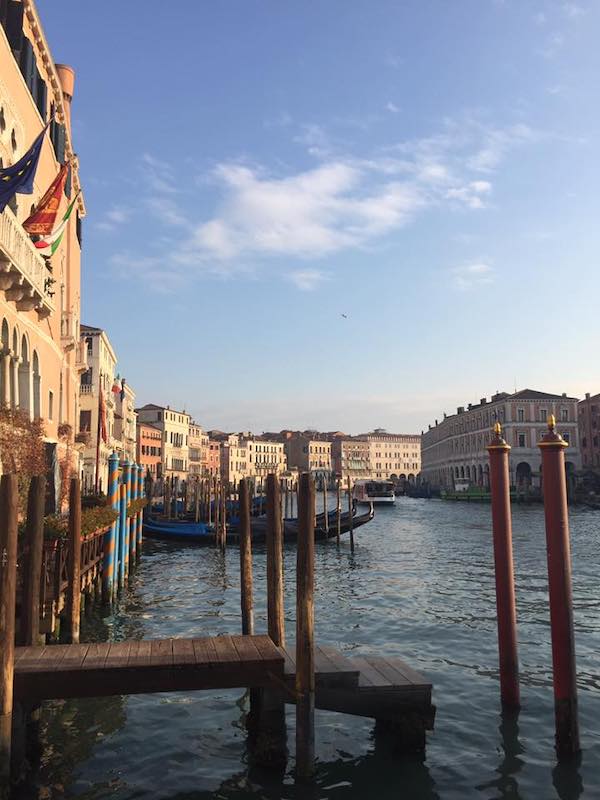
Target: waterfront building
(198, 451)
(588, 415)
(174, 427)
(395, 456)
(234, 455)
(308, 451)
(125, 420)
(213, 463)
(455, 447)
(265, 456)
(149, 449)
(351, 458)
(40, 356)
(97, 403)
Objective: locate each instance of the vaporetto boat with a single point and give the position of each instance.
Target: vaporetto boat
(369, 491)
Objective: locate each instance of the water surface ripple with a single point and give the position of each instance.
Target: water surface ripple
(420, 585)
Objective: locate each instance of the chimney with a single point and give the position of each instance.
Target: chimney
(66, 78)
(460, 410)
(483, 401)
(587, 395)
(436, 422)
(470, 406)
(564, 394)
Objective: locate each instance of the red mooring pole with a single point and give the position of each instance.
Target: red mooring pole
(559, 581)
(506, 613)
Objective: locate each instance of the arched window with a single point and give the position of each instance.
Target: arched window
(25, 377)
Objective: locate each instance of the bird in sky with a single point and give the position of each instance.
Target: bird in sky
(344, 316)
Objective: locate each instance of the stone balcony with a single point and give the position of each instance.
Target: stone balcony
(69, 331)
(24, 277)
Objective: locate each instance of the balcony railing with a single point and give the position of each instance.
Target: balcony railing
(24, 276)
(86, 388)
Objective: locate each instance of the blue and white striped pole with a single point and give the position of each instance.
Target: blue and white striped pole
(141, 493)
(133, 518)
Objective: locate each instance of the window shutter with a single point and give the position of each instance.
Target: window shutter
(28, 65)
(68, 184)
(41, 99)
(78, 228)
(14, 25)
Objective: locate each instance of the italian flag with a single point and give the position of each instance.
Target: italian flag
(48, 245)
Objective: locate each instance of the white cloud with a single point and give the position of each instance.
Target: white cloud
(470, 276)
(539, 18)
(113, 218)
(307, 280)
(392, 108)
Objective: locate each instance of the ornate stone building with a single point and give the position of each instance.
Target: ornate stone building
(589, 431)
(455, 448)
(40, 356)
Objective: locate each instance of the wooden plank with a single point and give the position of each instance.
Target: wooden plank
(370, 674)
(408, 672)
(246, 648)
(52, 657)
(393, 677)
(162, 652)
(96, 655)
(29, 654)
(225, 649)
(201, 651)
(75, 656)
(183, 652)
(289, 654)
(268, 651)
(118, 655)
(339, 660)
(140, 655)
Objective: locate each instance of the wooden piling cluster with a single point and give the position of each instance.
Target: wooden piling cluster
(556, 518)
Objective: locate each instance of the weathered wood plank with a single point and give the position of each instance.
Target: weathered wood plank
(183, 652)
(75, 656)
(141, 655)
(226, 651)
(408, 672)
(246, 648)
(162, 652)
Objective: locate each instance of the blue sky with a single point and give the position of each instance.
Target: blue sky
(254, 170)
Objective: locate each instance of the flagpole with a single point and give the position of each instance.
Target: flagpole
(96, 484)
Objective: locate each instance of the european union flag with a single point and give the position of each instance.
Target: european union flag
(19, 177)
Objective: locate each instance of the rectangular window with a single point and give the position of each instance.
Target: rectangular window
(543, 415)
(50, 405)
(520, 415)
(85, 421)
(564, 414)
(522, 440)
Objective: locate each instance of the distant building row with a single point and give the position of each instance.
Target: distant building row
(454, 449)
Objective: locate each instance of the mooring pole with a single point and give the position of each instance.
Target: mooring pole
(351, 515)
(338, 514)
(275, 610)
(74, 563)
(246, 560)
(140, 524)
(133, 495)
(506, 613)
(32, 567)
(111, 536)
(325, 509)
(305, 642)
(8, 587)
(559, 580)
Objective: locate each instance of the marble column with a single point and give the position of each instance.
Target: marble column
(16, 360)
(6, 378)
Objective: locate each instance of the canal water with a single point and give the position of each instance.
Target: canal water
(420, 585)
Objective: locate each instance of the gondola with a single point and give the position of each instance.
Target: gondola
(202, 533)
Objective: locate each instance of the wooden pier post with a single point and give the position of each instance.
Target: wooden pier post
(197, 501)
(506, 613)
(8, 587)
(246, 560)
(126, 532)
(29, 628)
(325, 509)
(73, 599)
(223, 516)
(561, 601)
(351, 514)
(275, 611)
(112, 536)
(338, 514)
(305, 640)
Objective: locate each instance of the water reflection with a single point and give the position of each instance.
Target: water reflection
(511, 764)
(567, 779)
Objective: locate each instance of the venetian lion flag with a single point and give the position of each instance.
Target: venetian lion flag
(48, 245)
(41, 222)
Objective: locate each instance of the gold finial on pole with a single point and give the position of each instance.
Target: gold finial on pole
(497, 429)
(551, 422)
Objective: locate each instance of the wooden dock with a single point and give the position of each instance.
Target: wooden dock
(370, 686)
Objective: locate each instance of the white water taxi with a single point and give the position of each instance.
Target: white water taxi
(374, 492)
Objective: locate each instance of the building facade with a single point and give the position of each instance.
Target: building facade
(198, 451)
(125, 420)
(98, 379)
(308, 452)
(149, 449)
(351, 458)
(264, 457)
(174, 427)
(213, 463)
(588, 414)
(40, 356)
(455, 448)
(395, 456)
